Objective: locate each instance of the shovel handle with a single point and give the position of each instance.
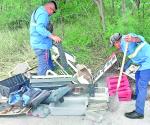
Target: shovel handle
(122, 65)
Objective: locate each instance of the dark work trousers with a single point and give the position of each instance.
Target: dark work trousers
(142, 78)
(44, 61)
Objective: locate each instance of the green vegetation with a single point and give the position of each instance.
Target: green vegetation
(77, 22)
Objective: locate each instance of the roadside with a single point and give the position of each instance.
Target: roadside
(109, 118)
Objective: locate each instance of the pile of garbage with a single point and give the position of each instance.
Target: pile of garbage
(71, 90)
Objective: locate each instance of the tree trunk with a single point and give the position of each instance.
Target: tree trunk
(100, 6)
(123, 7)
(137, 2)
(113, 8)
(136, 6)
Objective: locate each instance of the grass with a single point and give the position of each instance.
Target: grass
(14, 48)
(82, 38)
(78, 40)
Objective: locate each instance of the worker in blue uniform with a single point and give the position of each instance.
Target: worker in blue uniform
(41, 37)
(139, 53)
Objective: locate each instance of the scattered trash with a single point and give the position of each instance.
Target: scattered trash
(130, 71)
(72, 92)
(51, 81)
(12, 84)
(7, 110)
(72, 106)
(83, 74)
(41, 111)
(124, 90)
(57, 94)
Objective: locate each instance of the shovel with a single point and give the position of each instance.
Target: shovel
(114, 100)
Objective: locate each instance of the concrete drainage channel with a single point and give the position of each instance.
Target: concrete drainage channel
(72, 91)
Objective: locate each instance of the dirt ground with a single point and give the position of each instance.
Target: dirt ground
(108, 118)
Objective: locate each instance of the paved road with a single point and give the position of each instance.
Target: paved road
(109, 118)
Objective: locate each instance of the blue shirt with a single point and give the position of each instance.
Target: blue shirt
(143, 56)
(38, 29)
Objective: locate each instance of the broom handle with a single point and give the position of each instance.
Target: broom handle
(122, 65)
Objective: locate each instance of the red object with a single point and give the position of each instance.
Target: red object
(124, 91)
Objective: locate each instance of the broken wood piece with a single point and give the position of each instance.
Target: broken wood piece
(4, 108)
(83, 74)
(14, 111)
